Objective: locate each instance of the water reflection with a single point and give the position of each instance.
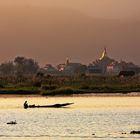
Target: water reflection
(89, 118)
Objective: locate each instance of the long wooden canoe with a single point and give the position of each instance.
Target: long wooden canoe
(48, 106)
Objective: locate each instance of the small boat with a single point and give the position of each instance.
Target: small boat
(135, 132)
(47, 106)
(12, 122)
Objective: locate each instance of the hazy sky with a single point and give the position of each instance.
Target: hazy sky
(52, 30)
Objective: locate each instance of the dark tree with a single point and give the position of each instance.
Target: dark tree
(7, 69)
(25, 66)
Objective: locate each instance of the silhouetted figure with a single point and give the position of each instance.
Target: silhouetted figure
(25, 105)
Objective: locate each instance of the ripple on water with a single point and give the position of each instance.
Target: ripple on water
(105, 120)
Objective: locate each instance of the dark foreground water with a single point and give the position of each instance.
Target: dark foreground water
(90, 118)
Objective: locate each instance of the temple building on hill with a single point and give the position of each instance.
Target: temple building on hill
(104, 65)
(100, 65)
(107, 65)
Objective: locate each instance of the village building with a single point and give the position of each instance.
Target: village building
(49, 69)
(114, 68)
(70, 68)
(102, 66)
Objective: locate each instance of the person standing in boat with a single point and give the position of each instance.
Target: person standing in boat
(25, 105)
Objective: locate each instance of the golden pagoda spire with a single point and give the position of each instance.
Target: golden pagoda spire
(104, 54)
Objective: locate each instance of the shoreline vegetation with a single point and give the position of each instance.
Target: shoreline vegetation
(69, 85)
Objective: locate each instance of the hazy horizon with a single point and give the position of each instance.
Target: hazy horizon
(52, 30)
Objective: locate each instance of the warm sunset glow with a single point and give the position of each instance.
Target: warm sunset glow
(52, 30)
(69, 69)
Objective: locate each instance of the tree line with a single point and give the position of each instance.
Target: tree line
(19, 66)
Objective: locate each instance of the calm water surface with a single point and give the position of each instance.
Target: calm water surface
(90, 118)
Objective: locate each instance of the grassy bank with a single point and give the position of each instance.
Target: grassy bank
(66, 91)
(63, 85)
(20, 90)
(95, 89)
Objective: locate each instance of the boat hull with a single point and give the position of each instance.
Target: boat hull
(49, 106)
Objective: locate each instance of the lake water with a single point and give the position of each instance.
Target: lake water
(90, 118)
